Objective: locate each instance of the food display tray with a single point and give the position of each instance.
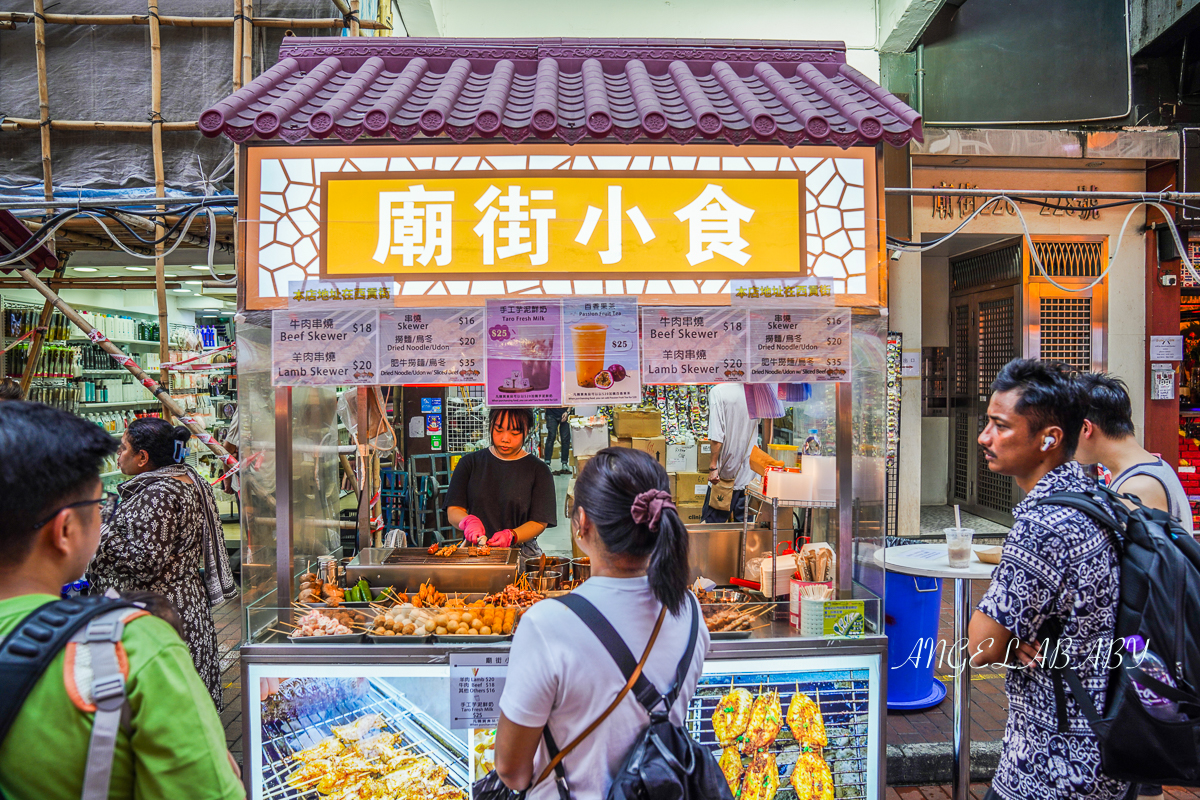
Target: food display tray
(345, 638)
(406, 568)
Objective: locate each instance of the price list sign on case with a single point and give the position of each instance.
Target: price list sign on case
(524, 353)
(698, 344)
(325, 348)
(476, 683)
(431, 345)
(802, 345)
(600, 342)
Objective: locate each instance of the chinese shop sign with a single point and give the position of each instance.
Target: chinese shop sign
(325, 348)
(439, 228)
(431, 345)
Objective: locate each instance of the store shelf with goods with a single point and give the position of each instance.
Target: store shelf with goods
(148, 403)
(757, 495)
(115, 373)
(132, 342)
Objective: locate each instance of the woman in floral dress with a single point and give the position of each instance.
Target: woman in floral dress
(164, 527)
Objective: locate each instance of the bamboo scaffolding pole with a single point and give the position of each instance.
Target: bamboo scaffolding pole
(13, 17)
(354, 23)
(160, 263)
(190, 238)
(238, 23)
(128, 363)
(21, 123)
(247, 42)
(35, 343)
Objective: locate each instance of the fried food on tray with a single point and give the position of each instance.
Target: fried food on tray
(804, 720)
(761, 780)
(731, 716)
(373, 767)
(729, 618)
(731, 767)
(357, 729)
(766, 718)
(811, 778)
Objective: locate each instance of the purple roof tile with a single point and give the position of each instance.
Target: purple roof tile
(566, 89)
(13, 236)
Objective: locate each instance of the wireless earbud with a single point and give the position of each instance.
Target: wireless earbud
(1047, 443)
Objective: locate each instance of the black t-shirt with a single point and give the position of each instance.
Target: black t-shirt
(504, 494)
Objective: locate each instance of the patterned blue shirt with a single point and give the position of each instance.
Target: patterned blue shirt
(1058, 563)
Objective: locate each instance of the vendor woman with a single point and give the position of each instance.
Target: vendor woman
(503, 495)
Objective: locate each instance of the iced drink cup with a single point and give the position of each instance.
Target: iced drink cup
(588, 341)
(958, 546)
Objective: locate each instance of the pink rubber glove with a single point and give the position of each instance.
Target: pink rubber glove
(502, 538)
(472, 528)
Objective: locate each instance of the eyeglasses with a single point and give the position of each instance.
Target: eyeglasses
(106, 500)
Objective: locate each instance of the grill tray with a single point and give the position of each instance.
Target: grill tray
(406, 568)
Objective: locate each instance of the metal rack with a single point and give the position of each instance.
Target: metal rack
(466, 419)
(843, 697)
(422, 735)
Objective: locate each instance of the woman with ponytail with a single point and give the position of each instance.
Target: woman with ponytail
(164, 528)
(560, 676)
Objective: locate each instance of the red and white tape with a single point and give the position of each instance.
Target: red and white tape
(96, 336)
(205, 354)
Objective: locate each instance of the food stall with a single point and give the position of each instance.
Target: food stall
(604, 224)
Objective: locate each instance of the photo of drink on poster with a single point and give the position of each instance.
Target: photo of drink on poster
(600, 339)
(524, 353)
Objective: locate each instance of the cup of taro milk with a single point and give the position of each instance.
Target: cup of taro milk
(958, 546)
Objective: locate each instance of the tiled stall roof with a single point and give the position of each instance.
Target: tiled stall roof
(13, 236)
(564, 89)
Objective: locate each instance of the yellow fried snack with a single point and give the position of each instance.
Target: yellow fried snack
(731, 767)
(804, 720)
(766, 718)
(811, 778)
(731, 716)
(761, 781)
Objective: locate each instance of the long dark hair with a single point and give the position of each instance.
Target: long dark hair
(606, 490)
(158, 439)
(520, 419)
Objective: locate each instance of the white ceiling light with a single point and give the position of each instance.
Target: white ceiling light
(84, 269)
(182, 291)
(194, 283)
(200, 268)
(138, 269)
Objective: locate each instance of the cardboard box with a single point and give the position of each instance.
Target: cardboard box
(569, 503)
(672, 483)
(704, 455)
(690, 487)
(656, 446)
(589, 439)
(689, 512)
(637, 424)
(580, 463)
(681, 458)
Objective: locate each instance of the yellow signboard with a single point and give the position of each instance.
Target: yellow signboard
(437, 227)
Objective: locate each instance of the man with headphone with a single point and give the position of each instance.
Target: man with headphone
(1058, 570)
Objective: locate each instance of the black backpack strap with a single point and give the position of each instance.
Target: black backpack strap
(1086, 503)
(643, 689)
(30, 647)
(685, 662)
(560, 774)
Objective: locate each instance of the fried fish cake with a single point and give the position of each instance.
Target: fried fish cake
(731, 716)
(766, 719)
(811, 777)
(761, 780)
(804, 720)
(731, 767)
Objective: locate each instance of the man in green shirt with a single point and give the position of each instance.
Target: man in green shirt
(174, 745)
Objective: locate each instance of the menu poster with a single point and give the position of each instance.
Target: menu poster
(524, 354)
(600, 343)
(697, 344)
(799, 345)
(431, 345)
(325, 348)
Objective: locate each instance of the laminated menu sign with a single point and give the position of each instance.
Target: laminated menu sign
(431, 345)
(799, 345)
(524, 354)
(325, 348)
(698, 344)
(600, 343)
(476, 683)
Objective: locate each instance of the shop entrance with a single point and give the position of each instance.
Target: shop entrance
(1002, 307)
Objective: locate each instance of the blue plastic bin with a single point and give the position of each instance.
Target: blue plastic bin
(911, 608)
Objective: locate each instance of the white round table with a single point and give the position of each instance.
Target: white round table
(931, 561)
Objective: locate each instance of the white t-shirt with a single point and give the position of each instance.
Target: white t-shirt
(729, 423)
(559, 671)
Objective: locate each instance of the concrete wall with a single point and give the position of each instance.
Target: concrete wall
(919, 301)
(849, 21)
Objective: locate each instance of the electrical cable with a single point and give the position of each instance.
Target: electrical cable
(915, 247)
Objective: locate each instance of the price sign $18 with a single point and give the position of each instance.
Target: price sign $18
(362, 327)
